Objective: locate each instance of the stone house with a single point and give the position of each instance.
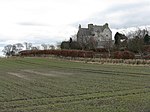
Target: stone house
(100, 36)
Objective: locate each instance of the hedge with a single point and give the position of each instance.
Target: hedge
(65, 53)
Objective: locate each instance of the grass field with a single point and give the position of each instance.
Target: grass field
(48, 85)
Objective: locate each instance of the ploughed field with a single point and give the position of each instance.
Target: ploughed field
(48, 85)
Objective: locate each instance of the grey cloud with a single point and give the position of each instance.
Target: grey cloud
(2, 45)
(128, 15)
(39, 39)
(32, 24)
(137, 19)
(127, 7)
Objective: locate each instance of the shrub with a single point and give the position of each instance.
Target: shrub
(117, 55)
(146, 57)
(127, 55)
(65, 53)
(123, 55)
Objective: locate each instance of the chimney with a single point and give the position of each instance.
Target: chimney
(106, 25)
(90, 26)
(79, 26)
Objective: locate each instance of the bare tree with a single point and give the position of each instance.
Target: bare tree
(92, 43)
(74, 37)
(51, 46)
(45, 46)
(7, 50)
(108, 46)
(28, 45)
(19, 47)
(86, 42)
(147, 39)
(58, 44)
(136, 43)
(141, 33)
(35, 47)
(11, 50)
(106, 43)
(14, 50)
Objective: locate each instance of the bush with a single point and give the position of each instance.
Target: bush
(146, 57)
(123, 55)
(65, 53)
(117, 55)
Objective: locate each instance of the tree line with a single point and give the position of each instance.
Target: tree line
(14, 49)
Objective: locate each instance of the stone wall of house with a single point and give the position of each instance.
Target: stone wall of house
(101, 33)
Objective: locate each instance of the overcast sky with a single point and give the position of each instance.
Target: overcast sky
(51, 21)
